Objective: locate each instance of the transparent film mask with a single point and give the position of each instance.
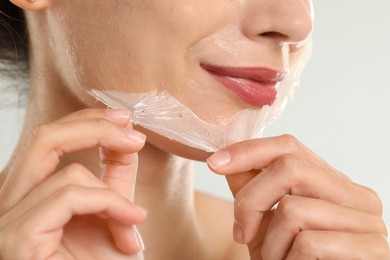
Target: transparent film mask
(161, 112)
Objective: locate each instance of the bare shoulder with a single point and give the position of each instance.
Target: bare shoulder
(216, 216)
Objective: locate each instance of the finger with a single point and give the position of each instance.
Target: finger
(58, 209)
(119, 170)
(122, 178)
(256, 154)
(122, 234)
(239, 180)
(242, 159)
(72, 175)
(51, 141)
(290, 174)
(338, 245)
(120, 116)
(239, 162)
(296, 214)
(75, 175)
(294, 176)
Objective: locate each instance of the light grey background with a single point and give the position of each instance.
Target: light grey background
(342, 110)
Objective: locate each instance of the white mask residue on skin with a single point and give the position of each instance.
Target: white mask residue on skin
(163, 114)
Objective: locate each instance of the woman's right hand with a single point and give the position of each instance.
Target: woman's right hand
(68, 213)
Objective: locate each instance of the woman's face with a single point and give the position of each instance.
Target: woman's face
(145, 45)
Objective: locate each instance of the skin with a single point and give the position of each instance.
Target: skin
(68, 191)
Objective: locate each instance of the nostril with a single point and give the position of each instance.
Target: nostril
(274, 35)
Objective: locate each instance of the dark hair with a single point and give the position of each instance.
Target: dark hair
(13, 35)
(13, 55)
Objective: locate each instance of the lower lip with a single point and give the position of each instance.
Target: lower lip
(255, 93)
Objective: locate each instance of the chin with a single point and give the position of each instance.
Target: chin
(172, 147)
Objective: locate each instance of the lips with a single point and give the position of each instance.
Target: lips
(254, 85)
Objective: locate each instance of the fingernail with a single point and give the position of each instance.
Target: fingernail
(135, 136)
(219, 159)
(238, 233)
(138, 239)
(118, 114)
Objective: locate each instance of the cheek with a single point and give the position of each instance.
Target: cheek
(133, 46)
(139, 46)
(105, 46)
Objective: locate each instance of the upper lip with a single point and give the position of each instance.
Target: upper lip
(259, 74)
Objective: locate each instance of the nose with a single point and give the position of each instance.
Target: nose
(283, 20)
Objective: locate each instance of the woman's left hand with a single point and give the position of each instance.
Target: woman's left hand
(320, 213)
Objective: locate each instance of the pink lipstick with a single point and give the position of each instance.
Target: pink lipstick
(254, 85)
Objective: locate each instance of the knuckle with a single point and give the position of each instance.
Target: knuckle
(291, 142)
(42, 130)
(67, 192)
(39, 133)
(288, 207)
(287, 162)
(305, 245)
(289, 166)
(374, 201)
(76, 173)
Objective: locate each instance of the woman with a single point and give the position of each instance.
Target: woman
(67, 192)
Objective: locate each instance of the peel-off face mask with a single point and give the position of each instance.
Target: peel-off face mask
(162, 113)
